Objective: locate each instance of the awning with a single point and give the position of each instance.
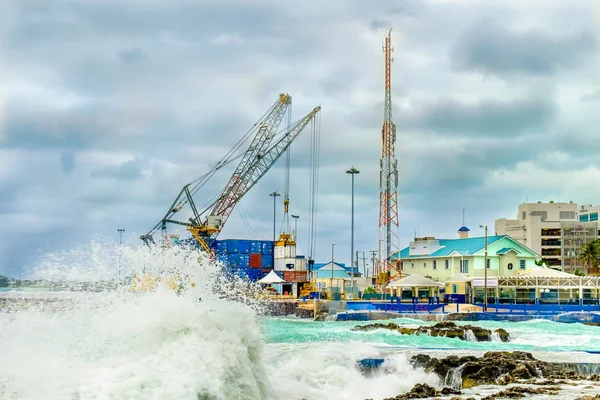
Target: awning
(271, 277)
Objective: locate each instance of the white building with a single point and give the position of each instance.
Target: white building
(556, 231)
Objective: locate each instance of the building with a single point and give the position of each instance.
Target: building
(440, 259)
(556, 231)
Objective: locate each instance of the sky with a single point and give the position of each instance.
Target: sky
(107, 108)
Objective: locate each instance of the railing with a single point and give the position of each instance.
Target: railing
(538, 308)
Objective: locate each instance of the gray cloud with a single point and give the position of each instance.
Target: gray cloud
(484, 118)
(109, 108)
(488, 46)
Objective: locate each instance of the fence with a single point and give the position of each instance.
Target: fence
(540, 308)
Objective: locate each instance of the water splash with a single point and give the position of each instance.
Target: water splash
(495, 337)
(470, 336)
(199, 341)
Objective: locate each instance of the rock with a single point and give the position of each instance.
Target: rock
(522, 391)
(504, 335)
(594, 378)
(496, 367)
(424, 391)
(445, 329)
(377, 325)
(588, 397)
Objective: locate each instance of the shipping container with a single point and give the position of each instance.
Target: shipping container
(244, 246)
(244, 260)
(233, 259)
(267, 261)
(254, 275)
(295, 276)
(219, 246)
(264, 272)
(279, 274)
(256, 247)
(267, 247)
(255, 261)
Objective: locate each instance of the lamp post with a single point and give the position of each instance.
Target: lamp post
(274, 195)
(485, 269)
(120, 230)
(295, 227)
(352, 171)
(332, 264)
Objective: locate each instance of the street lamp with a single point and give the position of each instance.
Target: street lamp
(485, 269)
(295, 227)
(352, 171)
(120, 230)
(274, 195)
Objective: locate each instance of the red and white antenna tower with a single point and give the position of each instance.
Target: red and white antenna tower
(388, 178)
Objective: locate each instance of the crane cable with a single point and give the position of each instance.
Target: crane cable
(314, 184)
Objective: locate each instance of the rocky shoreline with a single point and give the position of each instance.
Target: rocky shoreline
(521, 373)
(445, 329)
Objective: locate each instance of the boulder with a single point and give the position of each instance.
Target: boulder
(522, 391)
(445, 329)
(424, 391)
(495, 367)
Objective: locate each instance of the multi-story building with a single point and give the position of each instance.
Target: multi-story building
(556, 231)
(440, 259)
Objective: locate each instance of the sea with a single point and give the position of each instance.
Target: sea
(211, 341)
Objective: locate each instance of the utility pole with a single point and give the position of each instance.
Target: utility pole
(373, 261)
(364, 265)
(274, 195)
(120, 230)
(485, 262)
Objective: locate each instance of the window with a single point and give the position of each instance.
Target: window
(454, 288)
(402, 265)
(542, 214)
(412, 265)
(434, 264)
(487, 263)
(584, 218)
(522, 264)
(523, 215)
(510, 266)
(594, 216)
(567, 215)
(424, 265)
(447, 264)
(464, 266)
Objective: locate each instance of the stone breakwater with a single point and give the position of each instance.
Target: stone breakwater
(445, 329)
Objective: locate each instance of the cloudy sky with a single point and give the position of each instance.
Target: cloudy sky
(108, 107)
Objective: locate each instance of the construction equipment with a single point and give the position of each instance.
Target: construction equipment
(264, 150)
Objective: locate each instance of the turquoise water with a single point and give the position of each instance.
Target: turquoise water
(535, 335)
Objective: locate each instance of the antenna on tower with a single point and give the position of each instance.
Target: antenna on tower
(463, 217)
(388, 183)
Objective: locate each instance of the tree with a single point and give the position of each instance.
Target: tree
(3, 281)
(541, 262)
(589, 255)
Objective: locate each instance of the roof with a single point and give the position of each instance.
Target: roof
(464, 229)
(271, 278)
(461, 246)
(458, 278)
(547, 273)
(327, 266)
(506, 250)
(415, 280)
(321, 265)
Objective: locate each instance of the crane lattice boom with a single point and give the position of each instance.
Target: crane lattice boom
(264, 150)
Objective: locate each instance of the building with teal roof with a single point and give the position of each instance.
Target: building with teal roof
(440, 259)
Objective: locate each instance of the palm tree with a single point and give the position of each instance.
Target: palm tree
(589, 255)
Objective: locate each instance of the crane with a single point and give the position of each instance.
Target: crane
(264, 150)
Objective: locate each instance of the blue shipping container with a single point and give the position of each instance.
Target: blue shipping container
(267, 261)
(233, 259)
(244, 260)
(256, 247)
(232, 246)
(219, 246)
(267, 247)
(254, 274)
(244, 246)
